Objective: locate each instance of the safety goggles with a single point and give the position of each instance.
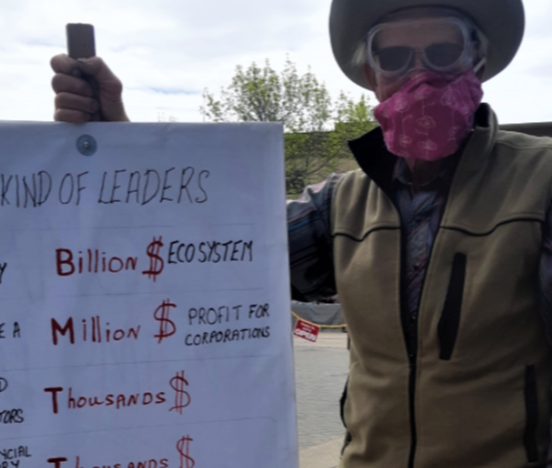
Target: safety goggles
(441, 45)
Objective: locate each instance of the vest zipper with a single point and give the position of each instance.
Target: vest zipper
(411, 344)
(412, 394)
(412, 350)
(531, 414)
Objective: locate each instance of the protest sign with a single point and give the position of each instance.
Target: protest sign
(145, 297)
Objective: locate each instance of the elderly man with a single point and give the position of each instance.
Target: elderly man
(440, 246)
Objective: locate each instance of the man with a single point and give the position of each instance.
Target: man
(440, 246)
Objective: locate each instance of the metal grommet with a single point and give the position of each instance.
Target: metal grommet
(86, 145)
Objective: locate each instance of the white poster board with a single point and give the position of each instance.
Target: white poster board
(144, 295)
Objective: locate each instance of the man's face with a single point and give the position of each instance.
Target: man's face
(410, 42)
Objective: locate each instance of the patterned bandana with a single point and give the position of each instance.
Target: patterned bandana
(430, 116)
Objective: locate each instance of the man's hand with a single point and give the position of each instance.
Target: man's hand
(86, 90)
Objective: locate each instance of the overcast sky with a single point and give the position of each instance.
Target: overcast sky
(167, 51)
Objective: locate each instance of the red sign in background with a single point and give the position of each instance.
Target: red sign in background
(307, 331)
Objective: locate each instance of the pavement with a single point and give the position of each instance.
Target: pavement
(320, 371)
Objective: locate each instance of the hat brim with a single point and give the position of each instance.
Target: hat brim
(501, 21)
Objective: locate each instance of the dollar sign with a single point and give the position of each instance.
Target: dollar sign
(3, 384)
(178, 383)
(156, 262)
(183, 447)
(161, 314)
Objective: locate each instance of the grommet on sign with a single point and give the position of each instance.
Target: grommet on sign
(86, 145)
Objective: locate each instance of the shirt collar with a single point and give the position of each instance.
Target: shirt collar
(402, 175)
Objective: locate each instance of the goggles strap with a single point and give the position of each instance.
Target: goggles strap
(482, 62)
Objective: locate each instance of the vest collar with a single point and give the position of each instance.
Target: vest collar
(378, 163)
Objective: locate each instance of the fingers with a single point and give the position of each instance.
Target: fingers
(64, 64)
(76, 102)
(71, 116)
(62, 83)
(73, 102)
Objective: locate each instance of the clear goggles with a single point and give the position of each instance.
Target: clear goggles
(442, 45)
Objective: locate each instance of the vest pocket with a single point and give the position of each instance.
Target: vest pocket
(342, 400)
(531, 415)
(450, 319)
(346, 442)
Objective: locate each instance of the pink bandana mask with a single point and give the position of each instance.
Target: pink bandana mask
(429, 117)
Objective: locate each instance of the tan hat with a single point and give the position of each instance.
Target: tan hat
(501, 21)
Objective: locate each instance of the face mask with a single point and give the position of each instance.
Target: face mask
(430, 116)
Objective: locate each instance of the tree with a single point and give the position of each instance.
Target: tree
(357, 117)
(352, 120)
(305, 108)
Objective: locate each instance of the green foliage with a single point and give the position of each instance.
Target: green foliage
(308, 155)
(305, 108)
(256, 94)
(352, 120)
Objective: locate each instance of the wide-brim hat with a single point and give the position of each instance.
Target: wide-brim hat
(501, 21)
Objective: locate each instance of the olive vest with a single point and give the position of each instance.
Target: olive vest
(477, 392)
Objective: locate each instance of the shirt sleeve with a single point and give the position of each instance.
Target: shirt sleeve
(310, 242)
(545, 274)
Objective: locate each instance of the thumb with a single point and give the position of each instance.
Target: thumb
(96, 68)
